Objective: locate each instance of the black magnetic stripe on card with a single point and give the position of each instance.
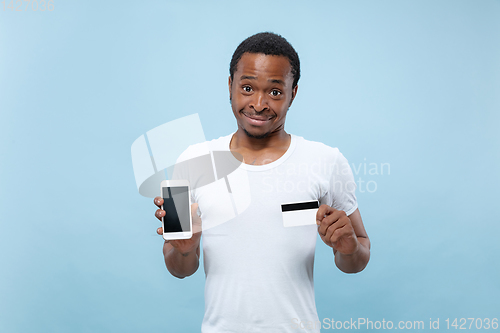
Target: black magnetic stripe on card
(299, 206)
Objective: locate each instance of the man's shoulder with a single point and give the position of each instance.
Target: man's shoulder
(203, 148)
(328, 159)
(221, 143)
(316, 148)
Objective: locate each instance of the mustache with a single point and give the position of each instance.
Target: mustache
(257, 114)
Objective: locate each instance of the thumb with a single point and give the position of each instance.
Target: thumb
(196, 218)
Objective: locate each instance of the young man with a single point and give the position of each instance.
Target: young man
(259, 274)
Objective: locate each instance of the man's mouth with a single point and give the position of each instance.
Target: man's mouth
(257, 120)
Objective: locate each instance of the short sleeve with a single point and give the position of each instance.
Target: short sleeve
(342, 187)
(195, 166)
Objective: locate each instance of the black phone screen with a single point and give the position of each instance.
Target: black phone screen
(176, 206)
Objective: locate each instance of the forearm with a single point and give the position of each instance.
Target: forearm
(179, 264)
(356, 262)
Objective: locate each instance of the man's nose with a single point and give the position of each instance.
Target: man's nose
(259, 102)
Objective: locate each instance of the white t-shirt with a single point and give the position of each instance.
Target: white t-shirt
(259, 274)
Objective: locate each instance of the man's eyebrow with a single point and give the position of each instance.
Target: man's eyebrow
(277, 81)
(247, 77)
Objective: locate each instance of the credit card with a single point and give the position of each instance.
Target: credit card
(299, 213)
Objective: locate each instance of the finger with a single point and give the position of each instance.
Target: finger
(158, 201)
(336, 229)
(346, 234)
(322, 211)
(196, 218)
(329, 220)
(340, 234)
(194, 210)
(160, 213)
(159, 231)
(324, 240)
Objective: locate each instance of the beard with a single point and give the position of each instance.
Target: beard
(253, 136)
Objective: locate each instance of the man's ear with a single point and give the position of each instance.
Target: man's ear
(294, 93)
(229, 83)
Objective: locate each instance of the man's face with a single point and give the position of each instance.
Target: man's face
(261, 93)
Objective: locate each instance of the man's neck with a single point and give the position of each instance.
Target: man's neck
(259, 151)
(242, 141)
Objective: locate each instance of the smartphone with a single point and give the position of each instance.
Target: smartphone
(177, 222)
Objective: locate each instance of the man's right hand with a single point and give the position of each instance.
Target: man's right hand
(183, 246)
(182, 256)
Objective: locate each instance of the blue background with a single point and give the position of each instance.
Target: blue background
(415, 84)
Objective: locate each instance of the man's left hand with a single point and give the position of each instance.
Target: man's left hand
(336, 230)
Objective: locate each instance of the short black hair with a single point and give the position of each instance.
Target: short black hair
(267, 43)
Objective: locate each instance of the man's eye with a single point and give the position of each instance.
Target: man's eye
(275, 93)
(247, 89)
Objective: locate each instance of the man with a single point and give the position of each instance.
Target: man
(258, 272)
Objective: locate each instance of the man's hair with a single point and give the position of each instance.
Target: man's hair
(267, 43)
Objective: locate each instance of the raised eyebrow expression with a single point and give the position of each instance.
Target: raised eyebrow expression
(247, 77)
